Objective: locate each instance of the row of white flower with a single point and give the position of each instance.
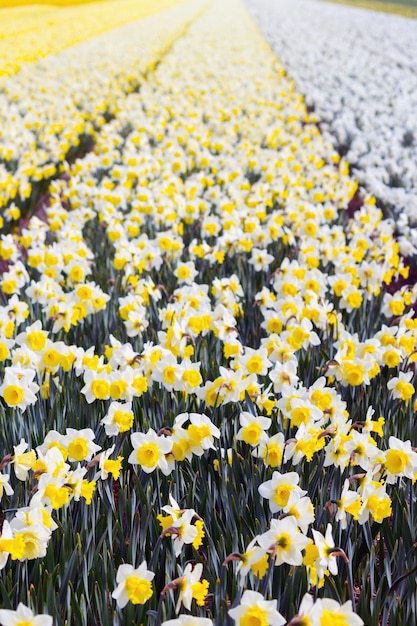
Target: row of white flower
(356, 68)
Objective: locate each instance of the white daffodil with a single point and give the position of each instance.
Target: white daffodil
(254, 609)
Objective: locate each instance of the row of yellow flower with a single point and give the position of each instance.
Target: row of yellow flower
(29, 33)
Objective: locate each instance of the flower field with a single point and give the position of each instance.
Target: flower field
(207, 355)
(364, 93)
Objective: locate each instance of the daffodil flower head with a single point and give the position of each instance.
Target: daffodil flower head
(23, 615)
(254, 609)
(190, 586)
(278, 489)
(23, 461)
(80, 444)
(284, 541)
(401, 386)
(253, 428)
(119, 418)
(150, 450)
(5, 486)
(326, 549)
(18, 389)
(400, 460)
(188, 620)
(134, 584)
(328, 612)
(109, 466)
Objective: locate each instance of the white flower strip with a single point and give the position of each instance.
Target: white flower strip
(357, 71)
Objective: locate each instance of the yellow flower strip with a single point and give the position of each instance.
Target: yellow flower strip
(31, 32)
(59, 3)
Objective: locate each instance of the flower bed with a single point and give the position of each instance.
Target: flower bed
(207, 392)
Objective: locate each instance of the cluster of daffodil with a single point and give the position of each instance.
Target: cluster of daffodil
(43, 120)
(254, 609)
(286, 540)
(54, 484)
(135, 584)
(198, 294)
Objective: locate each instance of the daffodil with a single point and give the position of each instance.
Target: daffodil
(399, 460)
(327, 612)
(300, 507)
(18, 389)
(375, 502)
(150, 450)
(34, 531)
(183, 531)
(271, 450)
(80, 444)
(11, 544)
(254, 361)
(188, 620)
(24, 615)
(190, 586)
(253, 428)
(97, 386)
(284, 541)
(119, 418)
(109, 466)
(255, 559)
(283, 373)
(278, 489)
(401, 386)
(5, 486)
(349, 502)
(254, 609)
(22, 460)
(202, 431)
(133, 584)
(327, 551)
